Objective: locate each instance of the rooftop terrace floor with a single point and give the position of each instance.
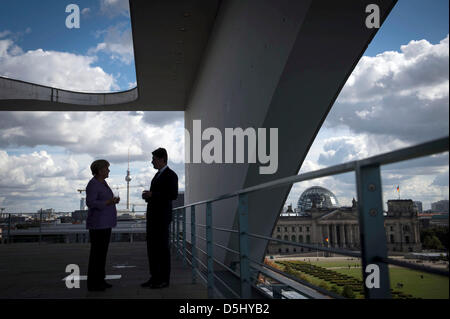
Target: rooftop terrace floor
(33, 270)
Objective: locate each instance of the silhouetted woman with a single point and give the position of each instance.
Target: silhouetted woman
(102, 216)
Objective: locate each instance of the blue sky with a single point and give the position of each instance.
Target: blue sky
(42, 25)
(45, 157)
(411, 20)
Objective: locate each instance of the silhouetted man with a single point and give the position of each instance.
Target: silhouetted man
(163, 190)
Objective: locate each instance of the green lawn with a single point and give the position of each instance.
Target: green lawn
(428, 287)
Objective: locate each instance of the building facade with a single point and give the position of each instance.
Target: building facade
(339, 228)
(440, 206)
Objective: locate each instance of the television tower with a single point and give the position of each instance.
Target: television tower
(128, 179)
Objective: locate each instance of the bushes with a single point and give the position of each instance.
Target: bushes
(335, 290)
(347, 286)
(347, 292)
(324, 286)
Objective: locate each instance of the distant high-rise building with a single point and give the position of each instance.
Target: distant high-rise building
(440, 206)
(82, 203)
(79, 215)
(419, 206)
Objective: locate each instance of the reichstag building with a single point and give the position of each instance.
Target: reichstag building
(319, 219)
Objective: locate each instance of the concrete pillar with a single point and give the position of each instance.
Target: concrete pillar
(416, 233)
(342, 230)
(357, 236)
(350, 230)
(335, 238)
(400, 236)
(320, 235)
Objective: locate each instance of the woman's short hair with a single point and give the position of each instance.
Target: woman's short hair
(97, 165)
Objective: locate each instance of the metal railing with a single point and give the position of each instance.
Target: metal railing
(35, 231)
(371, 221)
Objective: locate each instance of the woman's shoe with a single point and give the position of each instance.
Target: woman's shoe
(147, 284)
(159, 285)
(96, 288)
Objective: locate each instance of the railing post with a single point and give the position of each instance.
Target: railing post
(177, 233)
(372, 232)
(243, 247)
(184, 236)
(173, 231)
(209, 250)
(9, 228)
(40, 226)
(277, 291)
(193, 244)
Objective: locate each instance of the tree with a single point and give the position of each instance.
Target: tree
(440, 232)
(432, 242)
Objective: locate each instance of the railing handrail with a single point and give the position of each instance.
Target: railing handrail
(429, 148)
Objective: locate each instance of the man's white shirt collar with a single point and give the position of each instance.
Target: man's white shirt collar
(162, 169)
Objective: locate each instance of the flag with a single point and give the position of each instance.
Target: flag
(398, 188)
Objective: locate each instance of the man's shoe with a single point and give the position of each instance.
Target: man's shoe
(159, 285)
(96, 288)
(106, 285)
(147, 284)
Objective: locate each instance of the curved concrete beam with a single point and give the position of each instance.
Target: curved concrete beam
(14, 93)
(169, 38)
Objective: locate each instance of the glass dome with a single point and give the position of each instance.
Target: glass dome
(321, 197)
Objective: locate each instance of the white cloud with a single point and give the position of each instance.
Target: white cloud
(85, 11)
(132, 85)
(113, 8)
(99, 134)
(441, 179)
(390, 101)
(34, 180)
(4, 33)
(401, 95)
(57, 69)
(118, 43)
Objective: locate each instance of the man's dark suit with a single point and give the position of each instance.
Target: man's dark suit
(164, 188)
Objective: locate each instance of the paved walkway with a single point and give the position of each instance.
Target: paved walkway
(31, 270)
